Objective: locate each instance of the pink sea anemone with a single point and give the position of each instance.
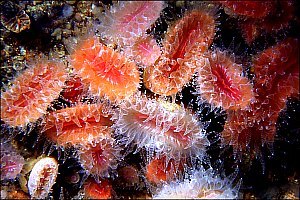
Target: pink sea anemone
(32, 91)
(11, 161)
(126, 21)
(160, 127)
(189, 36)
(42, 177)
(221, 82)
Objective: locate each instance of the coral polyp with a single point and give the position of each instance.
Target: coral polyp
(253, 9)
(144, 51)
(80, 125)
(200, 185)
(277, 78)
(161, 170)
(32, 92)
(107, 72)
(126, 21)
(162, 127)
(220, 82)
(97, 190)
(188, 37)
(149, 99)
(11, 161)
(42, 177)
(100, 157)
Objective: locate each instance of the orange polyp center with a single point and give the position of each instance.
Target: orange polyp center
(109, 72)
(224, 82)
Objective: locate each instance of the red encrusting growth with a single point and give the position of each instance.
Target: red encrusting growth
(188, 37)
(126, 21)
(107, 72)
(80, 125)
(97, 190)
(220, 82)
(32, 92)
(277, 77)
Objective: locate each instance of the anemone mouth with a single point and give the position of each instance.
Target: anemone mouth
(221, 83)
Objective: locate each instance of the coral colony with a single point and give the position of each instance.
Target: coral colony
(134, 105)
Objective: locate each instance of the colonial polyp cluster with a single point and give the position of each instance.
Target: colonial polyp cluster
(121, 85)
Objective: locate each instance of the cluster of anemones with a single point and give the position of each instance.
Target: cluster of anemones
(108, 118)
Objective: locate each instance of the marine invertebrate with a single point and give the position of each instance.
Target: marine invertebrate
(161, 170)
(126, 21)
(253, 9)
(97, 190)
(11, 161)
(42, 177)
(13, 17)
(105, 71)
(189, 36)
(282, 11)
(129, 176)
(74, 89)
(144, 51)
(200, 185)
(277, 77)
(80, 125)
(32, 91)
(160, 127)
(100, 157)
(221, 83)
